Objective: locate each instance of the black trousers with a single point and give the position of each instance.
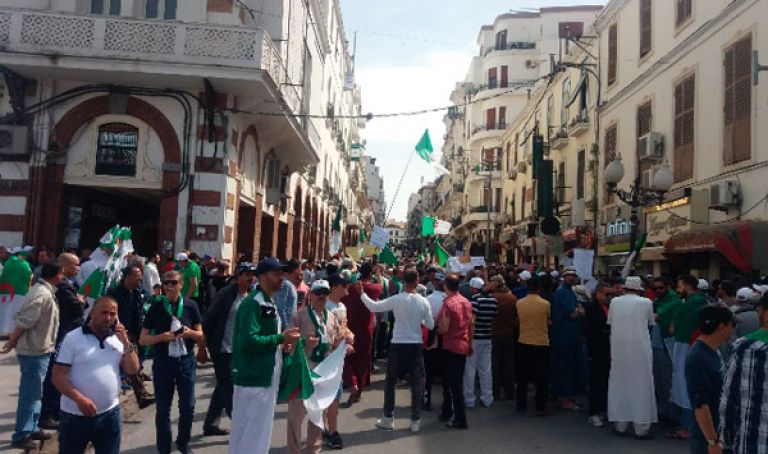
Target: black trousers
(432, 367)
(221, 399)
(532, 365)
(453, 387)
(599, 368)
(503, 365)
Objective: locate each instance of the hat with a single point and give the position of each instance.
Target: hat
(570, 271)
(439, 276)
(182, 257)
(525, 275)
(291, 265)
(337, 279)
(745, 294)
(634, 283)
(245, 267)
(320, 284)
(703, 284)
(499, 279)
(761, 288)
(476, 283)
(582, 293)
(268, 264)
(554, 274)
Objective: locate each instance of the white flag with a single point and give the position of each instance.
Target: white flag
(326, 379)
(442, 227)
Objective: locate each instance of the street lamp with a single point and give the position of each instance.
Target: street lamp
(637, 196)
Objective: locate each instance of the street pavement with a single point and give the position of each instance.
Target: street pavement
(492, 430)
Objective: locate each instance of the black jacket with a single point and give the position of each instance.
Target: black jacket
(597, 332)
(130, 309)
(215, 320)
(71, 312)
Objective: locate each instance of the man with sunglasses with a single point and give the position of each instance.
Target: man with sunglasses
(219, 326)
(173, 325)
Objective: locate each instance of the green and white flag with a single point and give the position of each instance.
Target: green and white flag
(440, 255)
(427, 226)
(14, 286)
(425, 151)
(326, 381)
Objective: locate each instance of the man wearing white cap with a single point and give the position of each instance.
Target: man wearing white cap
(521, 291)
(484, 309)
(191, 274)
(631, 395)
(745, 318)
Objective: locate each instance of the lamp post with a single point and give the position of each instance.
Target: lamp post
(637, 196)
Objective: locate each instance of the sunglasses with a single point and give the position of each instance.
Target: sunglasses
(170, 282)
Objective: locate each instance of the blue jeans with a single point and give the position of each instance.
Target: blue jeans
(169, 374)
(102, 430)
(33, 369)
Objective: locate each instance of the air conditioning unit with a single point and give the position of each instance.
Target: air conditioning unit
(647, 177)
(522, 166)
(531, 64)
(650, 146)
(273, 196)
(13, 139)
(724, 194)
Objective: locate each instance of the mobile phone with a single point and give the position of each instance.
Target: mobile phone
(113, 329)
(179, 331)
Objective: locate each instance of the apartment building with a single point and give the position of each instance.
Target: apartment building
(186, 123)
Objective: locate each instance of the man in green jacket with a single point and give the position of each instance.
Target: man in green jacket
(665, 305)
(257, 347)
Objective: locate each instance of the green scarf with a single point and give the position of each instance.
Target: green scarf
(759, 335)
(319, 352)
(169, 309)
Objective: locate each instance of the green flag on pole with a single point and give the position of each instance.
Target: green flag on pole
(440, 254)
(388, 257)
(427, 226)
(93, 286)
(362, 236)
(424, 147)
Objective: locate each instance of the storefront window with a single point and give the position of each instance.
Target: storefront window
(117, 149)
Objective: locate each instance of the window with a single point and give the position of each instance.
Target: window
(683, 11)
(646, 27)
(509, 156)
(737, 102)
(644, 119)
(490, 119)
(501, 40)
(491, 158)
(487, 197)
(517, 140)
(564, 111)
(111, 7)
(497, 200)
(550, 112)
(581, 170)
(609, 153)
(273, 173)
(493, 80)
(522, 203)
(560, 190)
(161, 8)
(685, 98)
(613, 53)
(502, 117)
(504, 77)
(116, 151)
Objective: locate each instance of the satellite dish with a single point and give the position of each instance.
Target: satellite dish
(550, 226)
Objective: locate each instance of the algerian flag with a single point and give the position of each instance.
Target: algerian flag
(336, 236)
(388, 257)
(427, 226)
(14, 286)
(295, 378)
(440, 254)
(326, 380)
(425, 151)
(635, 253)
(94, 285)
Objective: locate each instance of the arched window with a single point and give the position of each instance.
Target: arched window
(117, 148)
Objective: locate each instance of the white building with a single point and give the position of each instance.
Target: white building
(678, 88)
(375, 190)
(184, 123)
(397, 233)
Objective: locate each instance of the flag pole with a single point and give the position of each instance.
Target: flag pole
(402, 176)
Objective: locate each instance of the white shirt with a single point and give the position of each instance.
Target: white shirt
(94, 369)
(337, 309)
(435, 300)
(151, 278)
(411, 311)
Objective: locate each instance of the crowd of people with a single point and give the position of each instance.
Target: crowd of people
(679, 351)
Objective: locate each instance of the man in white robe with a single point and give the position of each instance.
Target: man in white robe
(631, 395)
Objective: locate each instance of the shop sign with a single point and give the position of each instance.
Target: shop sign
(618, 228)
(676, 216)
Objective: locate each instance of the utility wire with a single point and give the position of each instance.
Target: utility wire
(741, 214)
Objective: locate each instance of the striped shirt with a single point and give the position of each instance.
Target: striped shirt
(744, 402)
(485, 307)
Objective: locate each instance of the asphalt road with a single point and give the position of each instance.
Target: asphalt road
(498, 429)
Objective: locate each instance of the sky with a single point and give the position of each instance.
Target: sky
(409, 56)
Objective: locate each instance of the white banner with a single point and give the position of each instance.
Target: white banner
(442, 227)
(582, 261)
(379, 237)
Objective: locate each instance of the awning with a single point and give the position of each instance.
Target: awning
(742, 243)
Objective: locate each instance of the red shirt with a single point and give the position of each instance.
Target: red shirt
(459, 312)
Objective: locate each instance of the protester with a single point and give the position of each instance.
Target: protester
(631, 397)
(191, 274)
(17, 275)
(597, 333)
(219, 328)
(286, 299)
(456, 325)
(532, 350)
(257, 347)
(411, 311)
(666, 302)
(746, 320)
(433, 342)
(87, 373)
(704, 377)
(34, 338)
(565, 341)
(504, 333)
(177, 323)
(744, 402)
(151, 275)
(478, 366)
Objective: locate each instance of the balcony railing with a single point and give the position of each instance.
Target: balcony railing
(500, 126)
(515, 45)
(136, 40)
(458, 188)
(510, 84)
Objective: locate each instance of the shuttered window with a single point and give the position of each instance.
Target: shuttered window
(646, 27)
(737, 102)
(683, 11)
(493, 80)
(685, 98)
(644, 119)
(581, 171)
(490, 119)
(517, 140)
(609, 154)
(504, 83)
(613, 53)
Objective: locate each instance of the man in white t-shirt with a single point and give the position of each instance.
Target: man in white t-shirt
(87, 373)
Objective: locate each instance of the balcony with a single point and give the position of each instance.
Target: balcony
(508, 85)
(558, 139)
(513, 46)
(579, 124)
(488, 130)
(479, 216)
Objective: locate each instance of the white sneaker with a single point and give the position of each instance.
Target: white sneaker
(596, 421)
(416, 425)
(386, 423)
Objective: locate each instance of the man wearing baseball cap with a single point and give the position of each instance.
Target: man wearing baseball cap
(257, 347)
(219, 326)
(484, 308)
(191, 274)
